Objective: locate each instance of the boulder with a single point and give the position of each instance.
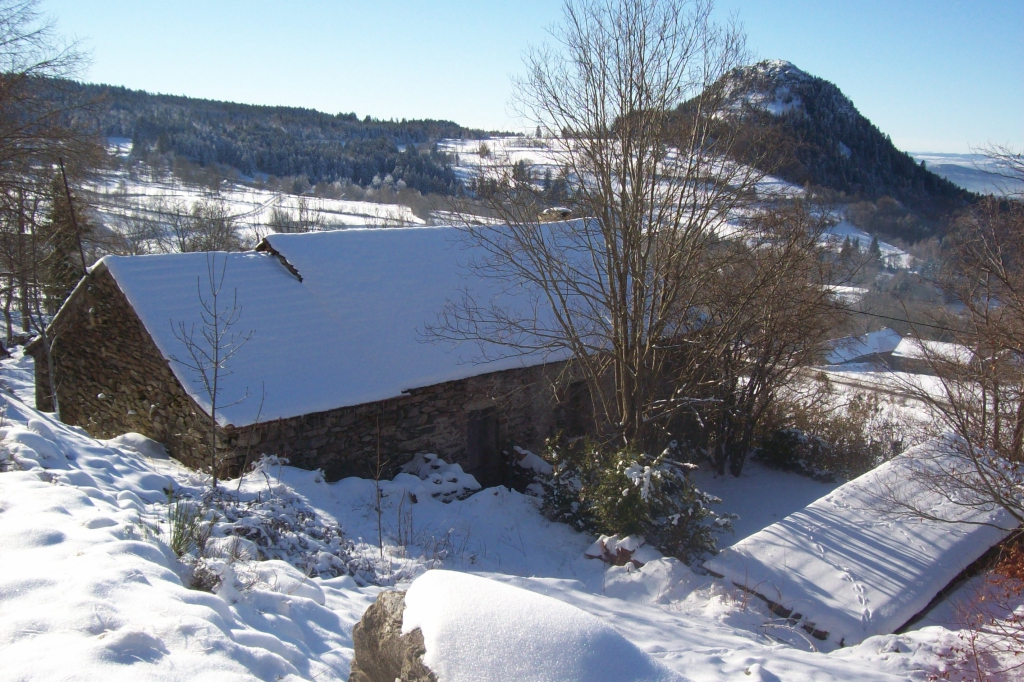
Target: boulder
(382, 652)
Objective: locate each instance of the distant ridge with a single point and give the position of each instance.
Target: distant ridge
(275, 140)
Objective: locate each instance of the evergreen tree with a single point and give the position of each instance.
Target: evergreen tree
(846, 251)
(874, 251)
(62, 234)
(521, 172)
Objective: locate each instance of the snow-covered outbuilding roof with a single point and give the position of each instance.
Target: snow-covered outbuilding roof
(337, 318)
(851, 565)
(854, 347)
(918, 349)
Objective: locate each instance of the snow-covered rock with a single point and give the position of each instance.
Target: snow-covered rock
(532, 462)
(382, 652)
(630, 549)
(478, 629)
(658, 580)
(438, 478)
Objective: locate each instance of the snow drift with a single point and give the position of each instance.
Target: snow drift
(479, 629)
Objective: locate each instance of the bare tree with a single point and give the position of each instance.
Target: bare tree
(211, 227)
(1008, 164)
(635, 87)
(308, 219)
(210, 348)
(979, 391)
(768, 313)
(37, 125)
(38, 129)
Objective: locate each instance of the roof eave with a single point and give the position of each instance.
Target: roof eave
(99, 268)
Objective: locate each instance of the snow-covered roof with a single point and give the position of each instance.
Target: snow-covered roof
(854, 347)
(854, 570)
(349, 332)
(919, 349)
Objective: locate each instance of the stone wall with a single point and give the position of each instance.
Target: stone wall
(112, 379)
(344, 442)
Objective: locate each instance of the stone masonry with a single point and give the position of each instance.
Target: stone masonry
(111, 379)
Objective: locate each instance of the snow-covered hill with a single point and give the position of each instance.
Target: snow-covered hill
(817, 136)
(973, 172)
(545, 158)
(118, 200)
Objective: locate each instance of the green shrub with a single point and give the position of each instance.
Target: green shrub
(793, 450)
(610, 491)
(189, 530)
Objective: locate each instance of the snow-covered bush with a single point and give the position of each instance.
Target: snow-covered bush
(526, 471)
(993, 620)
(221, 537)
(283, 526)
(441, 480)
(616, 492)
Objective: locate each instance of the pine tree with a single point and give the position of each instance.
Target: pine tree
(62, 265)
(846, 251)
(874, 251)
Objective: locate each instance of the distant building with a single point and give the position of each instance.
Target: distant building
(875, 347)
(921, 357)
(337, 367)
(886, 349)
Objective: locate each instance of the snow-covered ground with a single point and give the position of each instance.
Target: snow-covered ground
(892, 256)
(744, 496)
(89, 571)
(120, 197)
(474, 158)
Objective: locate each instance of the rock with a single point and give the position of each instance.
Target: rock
(620, 551)
(382, 652)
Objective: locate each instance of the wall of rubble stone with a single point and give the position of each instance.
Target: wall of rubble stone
(345, 442)
(112, 379)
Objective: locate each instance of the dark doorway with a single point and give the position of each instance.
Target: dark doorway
(483, 447)
(577, 409)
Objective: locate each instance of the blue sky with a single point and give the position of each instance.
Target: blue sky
(937, 75)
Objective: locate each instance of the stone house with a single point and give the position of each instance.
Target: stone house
(332, 359)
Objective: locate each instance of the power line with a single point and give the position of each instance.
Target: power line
(899, 319)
